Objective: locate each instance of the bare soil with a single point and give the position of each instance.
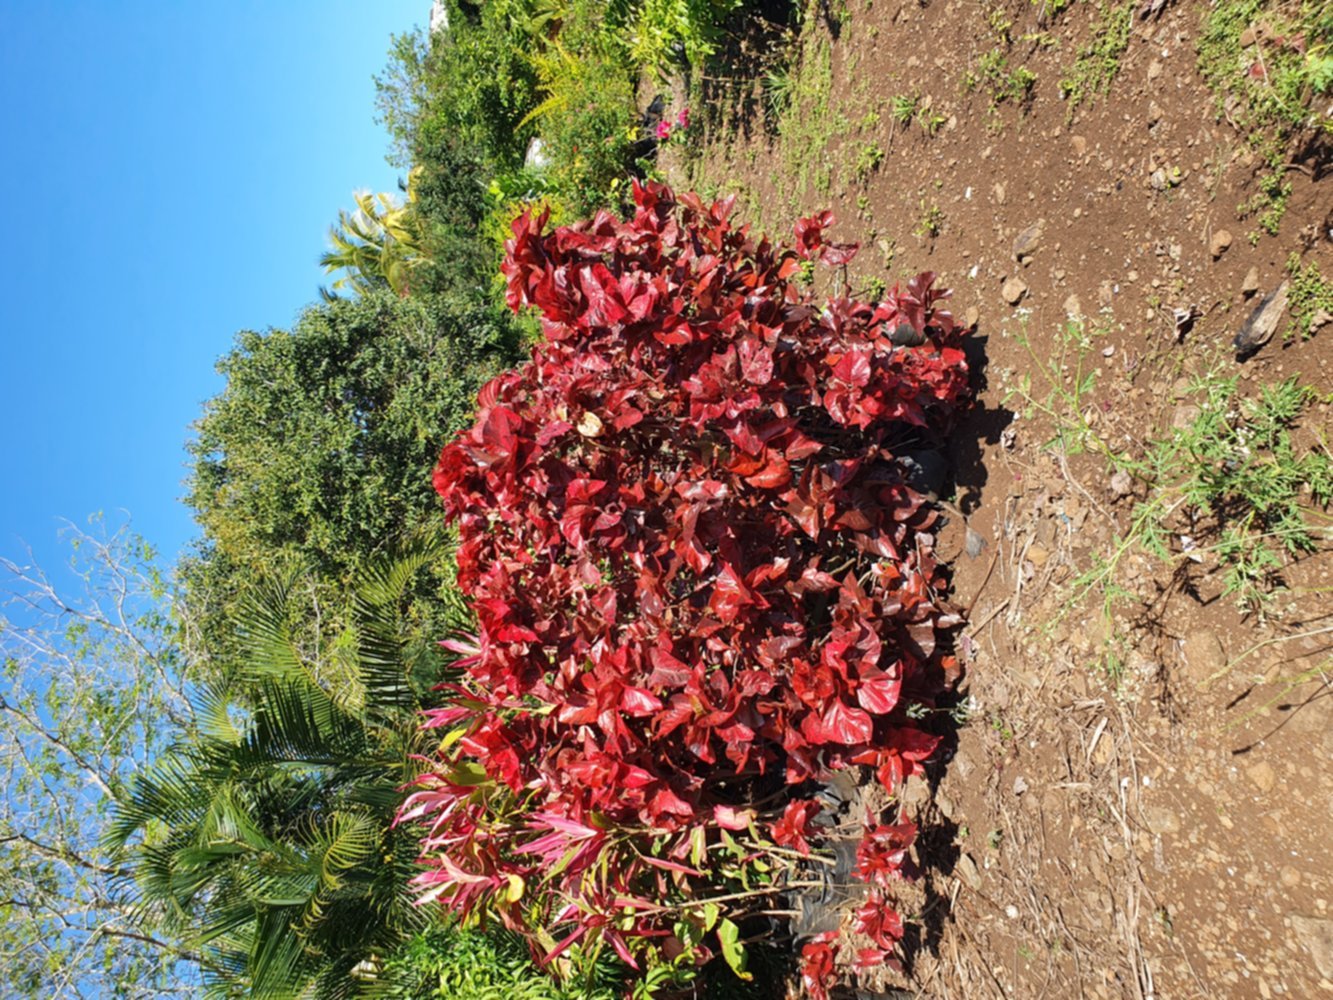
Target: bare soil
(1160, 829)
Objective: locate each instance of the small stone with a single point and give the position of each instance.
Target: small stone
(1122, 483)
(998, 191)
(1317, 936)
(1289, 877)
(1262, 775)
(1154, 113)
(1073, 307)
(1247, 38)
(1154, 70)
(1320, 317)
(972, 316)
(1182, 417)
(1217, 246)
(1011, 911)
(1160, 820)
(1079, 144)
(1013, 291)
(1020, 785)
(1105, 294)
(1158, 181)
(968, 872)
(1203, 651)
(1251, 283)
(1028, 241)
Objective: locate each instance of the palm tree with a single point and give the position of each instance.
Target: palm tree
(378, 245)
(268, 845)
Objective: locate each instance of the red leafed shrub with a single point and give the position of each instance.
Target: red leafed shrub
(701, 584)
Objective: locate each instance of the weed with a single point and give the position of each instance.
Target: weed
(807, 124)
(1000, 22)
(1267, 89)
(930, 121)
(875, 289)
(1049, 10)
(931, 221)
(777, 90)
(1269, 202)
(869, 121)
(1309, 299)
(1098, 62)
(1230, 474)
(868, 159)
(904, 108)
(994, 76)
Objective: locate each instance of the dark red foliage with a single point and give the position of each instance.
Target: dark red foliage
(694, 563)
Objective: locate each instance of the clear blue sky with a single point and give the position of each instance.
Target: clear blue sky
(170, 171)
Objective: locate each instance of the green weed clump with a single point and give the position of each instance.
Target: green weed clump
(1230, 483)
(1269, 89)
(1098, 63)
(1310, 295)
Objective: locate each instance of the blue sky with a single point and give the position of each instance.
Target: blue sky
(170, 170)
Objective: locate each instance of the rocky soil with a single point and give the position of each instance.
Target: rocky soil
(1138, 804)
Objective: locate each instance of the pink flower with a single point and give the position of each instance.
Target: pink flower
(663, 131)
(683, 119)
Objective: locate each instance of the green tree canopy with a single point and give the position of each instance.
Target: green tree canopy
(319, 450)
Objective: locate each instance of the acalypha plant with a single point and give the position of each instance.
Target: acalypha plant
(702, 583)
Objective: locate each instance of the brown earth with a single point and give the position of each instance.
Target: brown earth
(1160, 829)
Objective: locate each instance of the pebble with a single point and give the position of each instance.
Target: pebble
(1122, 483)
(1080, 145)
(1154, 70)
(1317, 936)
(1262, 775)
(1217, 246)
(1160, 819)
(1028, 241)
(1251, 283)
(968, 872)
(1013, 290)
(1073, 307)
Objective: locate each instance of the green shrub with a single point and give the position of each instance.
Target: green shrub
(451, 964)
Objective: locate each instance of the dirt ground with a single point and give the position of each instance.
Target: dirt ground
(1139, 803)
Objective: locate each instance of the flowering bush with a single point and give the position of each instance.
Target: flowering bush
(701, 584)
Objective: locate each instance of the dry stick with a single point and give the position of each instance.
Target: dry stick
(985, 580)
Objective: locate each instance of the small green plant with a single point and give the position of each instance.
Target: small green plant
(1049, 10)
(875, 289)
(931, 221)
(999, 21)
(930, 121)
(904, 108)
(993, 75)
(1310, 296)
(1098, 62)
(868, 159)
